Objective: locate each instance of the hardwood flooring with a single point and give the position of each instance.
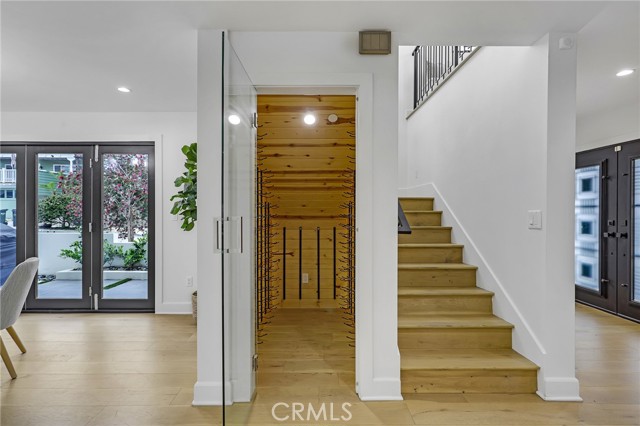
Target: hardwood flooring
(139, 370)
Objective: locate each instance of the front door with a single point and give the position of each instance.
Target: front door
(607, 209)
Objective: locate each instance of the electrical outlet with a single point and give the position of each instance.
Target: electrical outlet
(189, 281)
(305, 278)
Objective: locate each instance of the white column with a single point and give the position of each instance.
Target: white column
(558, 381)
(208, 388)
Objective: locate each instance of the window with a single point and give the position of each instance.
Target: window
(586, 270)
(586, 228)
(61, 168)
(8, 193)
(587, 185)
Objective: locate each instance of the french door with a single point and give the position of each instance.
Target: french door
(607, 234)
(86, 212)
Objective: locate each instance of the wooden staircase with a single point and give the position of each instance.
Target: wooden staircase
(449, 339)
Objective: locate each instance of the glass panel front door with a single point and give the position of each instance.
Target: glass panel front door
(607, 228)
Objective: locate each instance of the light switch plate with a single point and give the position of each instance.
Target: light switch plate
(305, 278)
(534, 219)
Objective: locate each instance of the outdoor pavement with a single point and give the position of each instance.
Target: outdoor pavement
(72, 289)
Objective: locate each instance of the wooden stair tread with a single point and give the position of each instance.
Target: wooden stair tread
(443, 291)
(429, 266)
(430, 227)
(417, 198)
(451, 321)
(464, 359)
(430, 245)
(423, 211)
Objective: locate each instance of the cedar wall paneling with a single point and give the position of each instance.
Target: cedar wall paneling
(309, 171)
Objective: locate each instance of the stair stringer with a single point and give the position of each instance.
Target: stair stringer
(525, 341)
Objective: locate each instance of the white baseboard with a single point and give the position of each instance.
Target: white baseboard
(206, 394)
(177, 308)
(382, 390)
(566, 389)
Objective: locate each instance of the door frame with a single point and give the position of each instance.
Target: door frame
(21, 142)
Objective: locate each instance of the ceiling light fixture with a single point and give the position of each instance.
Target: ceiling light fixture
(124, 89)
(234, 119)
(625, 72)
(310, 119)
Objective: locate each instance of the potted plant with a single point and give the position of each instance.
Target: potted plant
(185, 201)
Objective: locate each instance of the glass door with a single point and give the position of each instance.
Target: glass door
(238, 152)
(123, 239)
(607, 228)
(629, 230)
(58, 217)
(11, 212)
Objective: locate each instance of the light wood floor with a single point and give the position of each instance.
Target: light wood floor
(139, 370)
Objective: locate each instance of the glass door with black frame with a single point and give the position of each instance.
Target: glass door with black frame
(124, 238)
(607, 206)
(58, 219)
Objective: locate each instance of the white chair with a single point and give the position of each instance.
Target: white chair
(12, 296)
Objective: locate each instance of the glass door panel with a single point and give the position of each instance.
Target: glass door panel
(58, 216)
(238, 193)
(11, 160)
(587, 235)
(125, 246)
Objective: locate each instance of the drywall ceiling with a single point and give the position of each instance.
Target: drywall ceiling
(70, 56)
(606, 45)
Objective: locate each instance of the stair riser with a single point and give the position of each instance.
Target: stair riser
(452, 338)
(416, 204)
(429, 254)
(415, 305)
(424, 218)
(419, 236)
(437, 278)
(469, 381)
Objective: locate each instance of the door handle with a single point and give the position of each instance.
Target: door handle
(604, 281)
(622, 235)
(218, 238)
(608, 234)
(624, 285)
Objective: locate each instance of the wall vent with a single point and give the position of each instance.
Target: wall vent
(375, 42)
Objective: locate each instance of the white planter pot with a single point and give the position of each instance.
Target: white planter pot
(70, 274)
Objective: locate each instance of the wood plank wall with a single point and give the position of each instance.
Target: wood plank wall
(309, 169)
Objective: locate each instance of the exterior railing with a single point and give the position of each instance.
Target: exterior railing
(7, 176)
(432, 65)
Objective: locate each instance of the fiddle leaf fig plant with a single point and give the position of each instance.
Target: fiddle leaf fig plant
(185, 203)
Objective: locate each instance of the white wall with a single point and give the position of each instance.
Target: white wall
(316, 59)
(609, 127)
(175, 129)
(482, 146)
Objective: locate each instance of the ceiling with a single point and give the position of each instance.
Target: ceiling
(70, 56)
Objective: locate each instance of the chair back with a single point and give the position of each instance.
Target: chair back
(14, 291)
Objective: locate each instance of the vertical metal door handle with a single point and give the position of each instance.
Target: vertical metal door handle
(218, 246)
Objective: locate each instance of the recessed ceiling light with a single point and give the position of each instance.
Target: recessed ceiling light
(309, 119)
(234, 119)
(622, 73)
(124, 89)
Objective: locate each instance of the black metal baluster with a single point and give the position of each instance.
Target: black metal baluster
(300, 262)
(318, 260)
(284, 263)
(335, 272)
